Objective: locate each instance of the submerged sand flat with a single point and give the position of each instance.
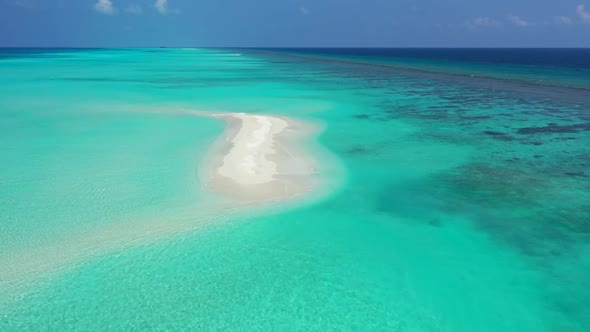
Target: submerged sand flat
(259, 159)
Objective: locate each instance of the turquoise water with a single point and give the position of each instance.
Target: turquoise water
(464, 205)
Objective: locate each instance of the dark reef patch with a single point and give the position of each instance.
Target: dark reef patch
(500, 136)
(475, 117)
(360, 150)
(564, 139)
(362, 116)
(490, 193)
(577, 174)
(435, 222)
(553, 128)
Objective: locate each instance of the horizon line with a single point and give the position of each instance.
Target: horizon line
(295, 47)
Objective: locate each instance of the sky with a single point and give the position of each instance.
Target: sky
(295, 23)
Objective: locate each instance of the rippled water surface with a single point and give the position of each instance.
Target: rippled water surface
(465, 204)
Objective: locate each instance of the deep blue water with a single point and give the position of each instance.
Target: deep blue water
(542, 57)
(556, 67)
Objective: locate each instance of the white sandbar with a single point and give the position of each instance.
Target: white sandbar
(247, 161)
(259, 159)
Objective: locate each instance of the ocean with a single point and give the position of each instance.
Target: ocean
(460, 200)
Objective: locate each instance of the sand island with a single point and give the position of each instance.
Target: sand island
(259, 158)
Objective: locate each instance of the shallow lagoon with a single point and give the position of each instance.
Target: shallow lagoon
(464, 205)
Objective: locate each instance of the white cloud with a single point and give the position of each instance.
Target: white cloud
(562, 20)
(304, 10)
(583, 14)
(483, 22)
(162, 7)
(105, 7)
(519, 22)
(134, 9)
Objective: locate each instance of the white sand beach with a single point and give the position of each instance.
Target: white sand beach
(258, 159)
(248, 160)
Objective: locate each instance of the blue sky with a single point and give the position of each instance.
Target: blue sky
(268, 23)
